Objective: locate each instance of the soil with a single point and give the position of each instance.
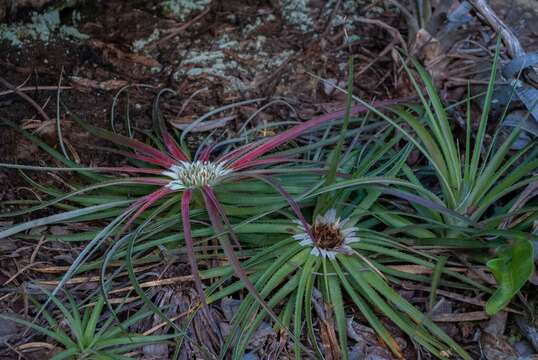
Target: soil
(97, 68)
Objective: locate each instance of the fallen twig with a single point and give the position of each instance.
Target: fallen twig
(27, 98)
(511, 41)
(35, 88)
(391, 30)
(176, 31)
(461, 317)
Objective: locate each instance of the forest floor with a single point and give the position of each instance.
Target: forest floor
(222, 54)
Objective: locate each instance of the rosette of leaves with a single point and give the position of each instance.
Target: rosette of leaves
(340, 255)
(479, 179)
(87, 333)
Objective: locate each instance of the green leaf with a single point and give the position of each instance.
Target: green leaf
(367, 312)
(337, 303)
(436, 278)
(512, 268)
(58, 218)
(307, 272)
(248, 331)
(333, 161)
(479, 138)
(58, 336)
(89, 331)
(66, 354)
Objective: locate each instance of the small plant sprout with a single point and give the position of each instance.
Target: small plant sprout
(87, 333)
(328, 236)
(338, 254)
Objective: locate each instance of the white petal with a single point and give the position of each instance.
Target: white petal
(300, 236)
(348, 230)
(319, 219)
(343, 223)
(344, 249)
(330, 216)
(175, 185)
(331, 255)
(315, 251)
(351, 239)
(323, 252)
(171, 174)
(306, 242)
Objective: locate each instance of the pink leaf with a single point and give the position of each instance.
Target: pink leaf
(266, 161)
(238, 152)
(297, 130)
(143, 203)
(127, 169)
(149, 181)
(204, 155)
(216, 215)
(172, 146)
(186, 221)
(136, 145)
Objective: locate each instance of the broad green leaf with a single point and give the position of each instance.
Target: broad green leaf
(512, 268)
(306, 273)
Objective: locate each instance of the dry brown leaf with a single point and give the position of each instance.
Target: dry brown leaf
(461, 317)
(428, 48)
(36, 345)
(421, 270)
(496, 347)
(328, 336)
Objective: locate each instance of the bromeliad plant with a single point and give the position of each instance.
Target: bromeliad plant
(339, 255)
(338, 260)
(301, 230)
(481, 186)
(171, 174)
(167, 180)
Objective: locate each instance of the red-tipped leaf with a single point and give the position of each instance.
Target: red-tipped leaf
(297, 130)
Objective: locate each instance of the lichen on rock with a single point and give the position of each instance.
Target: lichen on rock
(140, 44)
(225, 61)
(41, 28)
(297, 14)
(308, 16)
(182, 9)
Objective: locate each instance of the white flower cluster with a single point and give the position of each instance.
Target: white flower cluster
(187, 175)
(343, 233)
